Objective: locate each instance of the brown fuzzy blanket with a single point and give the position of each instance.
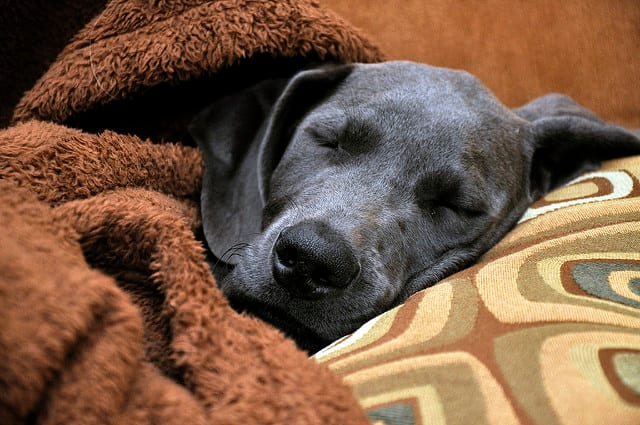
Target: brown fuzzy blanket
(109, 312)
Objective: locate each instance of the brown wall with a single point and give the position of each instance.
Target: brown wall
(589, 49)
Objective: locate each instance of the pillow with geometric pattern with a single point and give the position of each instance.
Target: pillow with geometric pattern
(544, 329)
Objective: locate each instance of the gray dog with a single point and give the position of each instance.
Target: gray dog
(338, 193)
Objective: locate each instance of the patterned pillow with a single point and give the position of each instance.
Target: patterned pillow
(545, 329)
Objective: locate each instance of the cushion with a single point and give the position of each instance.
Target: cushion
(544, 329)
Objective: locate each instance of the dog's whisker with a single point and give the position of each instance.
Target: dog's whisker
(238, 247)
(234, 251)
(293, 204)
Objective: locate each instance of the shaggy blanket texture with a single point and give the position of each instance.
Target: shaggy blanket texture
(109, 312)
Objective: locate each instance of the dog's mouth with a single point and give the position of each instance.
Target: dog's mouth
(304, 337)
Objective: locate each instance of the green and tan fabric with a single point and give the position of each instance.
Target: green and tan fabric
(545, 329)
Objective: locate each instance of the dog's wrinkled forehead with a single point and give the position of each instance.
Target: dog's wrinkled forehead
(442, 92)
(412, 101)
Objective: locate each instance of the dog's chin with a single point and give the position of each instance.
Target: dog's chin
(312, 323)
(304, 337)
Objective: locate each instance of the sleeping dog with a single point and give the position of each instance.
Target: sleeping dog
(341, 191)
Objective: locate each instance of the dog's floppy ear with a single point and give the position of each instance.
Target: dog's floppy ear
(568, 140)
(242, 137)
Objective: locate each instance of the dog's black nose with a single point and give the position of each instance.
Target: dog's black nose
(311, 260)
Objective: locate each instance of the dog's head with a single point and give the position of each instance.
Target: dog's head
(340, 192)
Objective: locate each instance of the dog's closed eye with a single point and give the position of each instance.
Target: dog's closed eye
(326, 132)
(440, 193)
(339, 133)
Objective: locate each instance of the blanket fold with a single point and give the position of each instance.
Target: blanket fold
(110, 313)
(133, 45)
(70, 344)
